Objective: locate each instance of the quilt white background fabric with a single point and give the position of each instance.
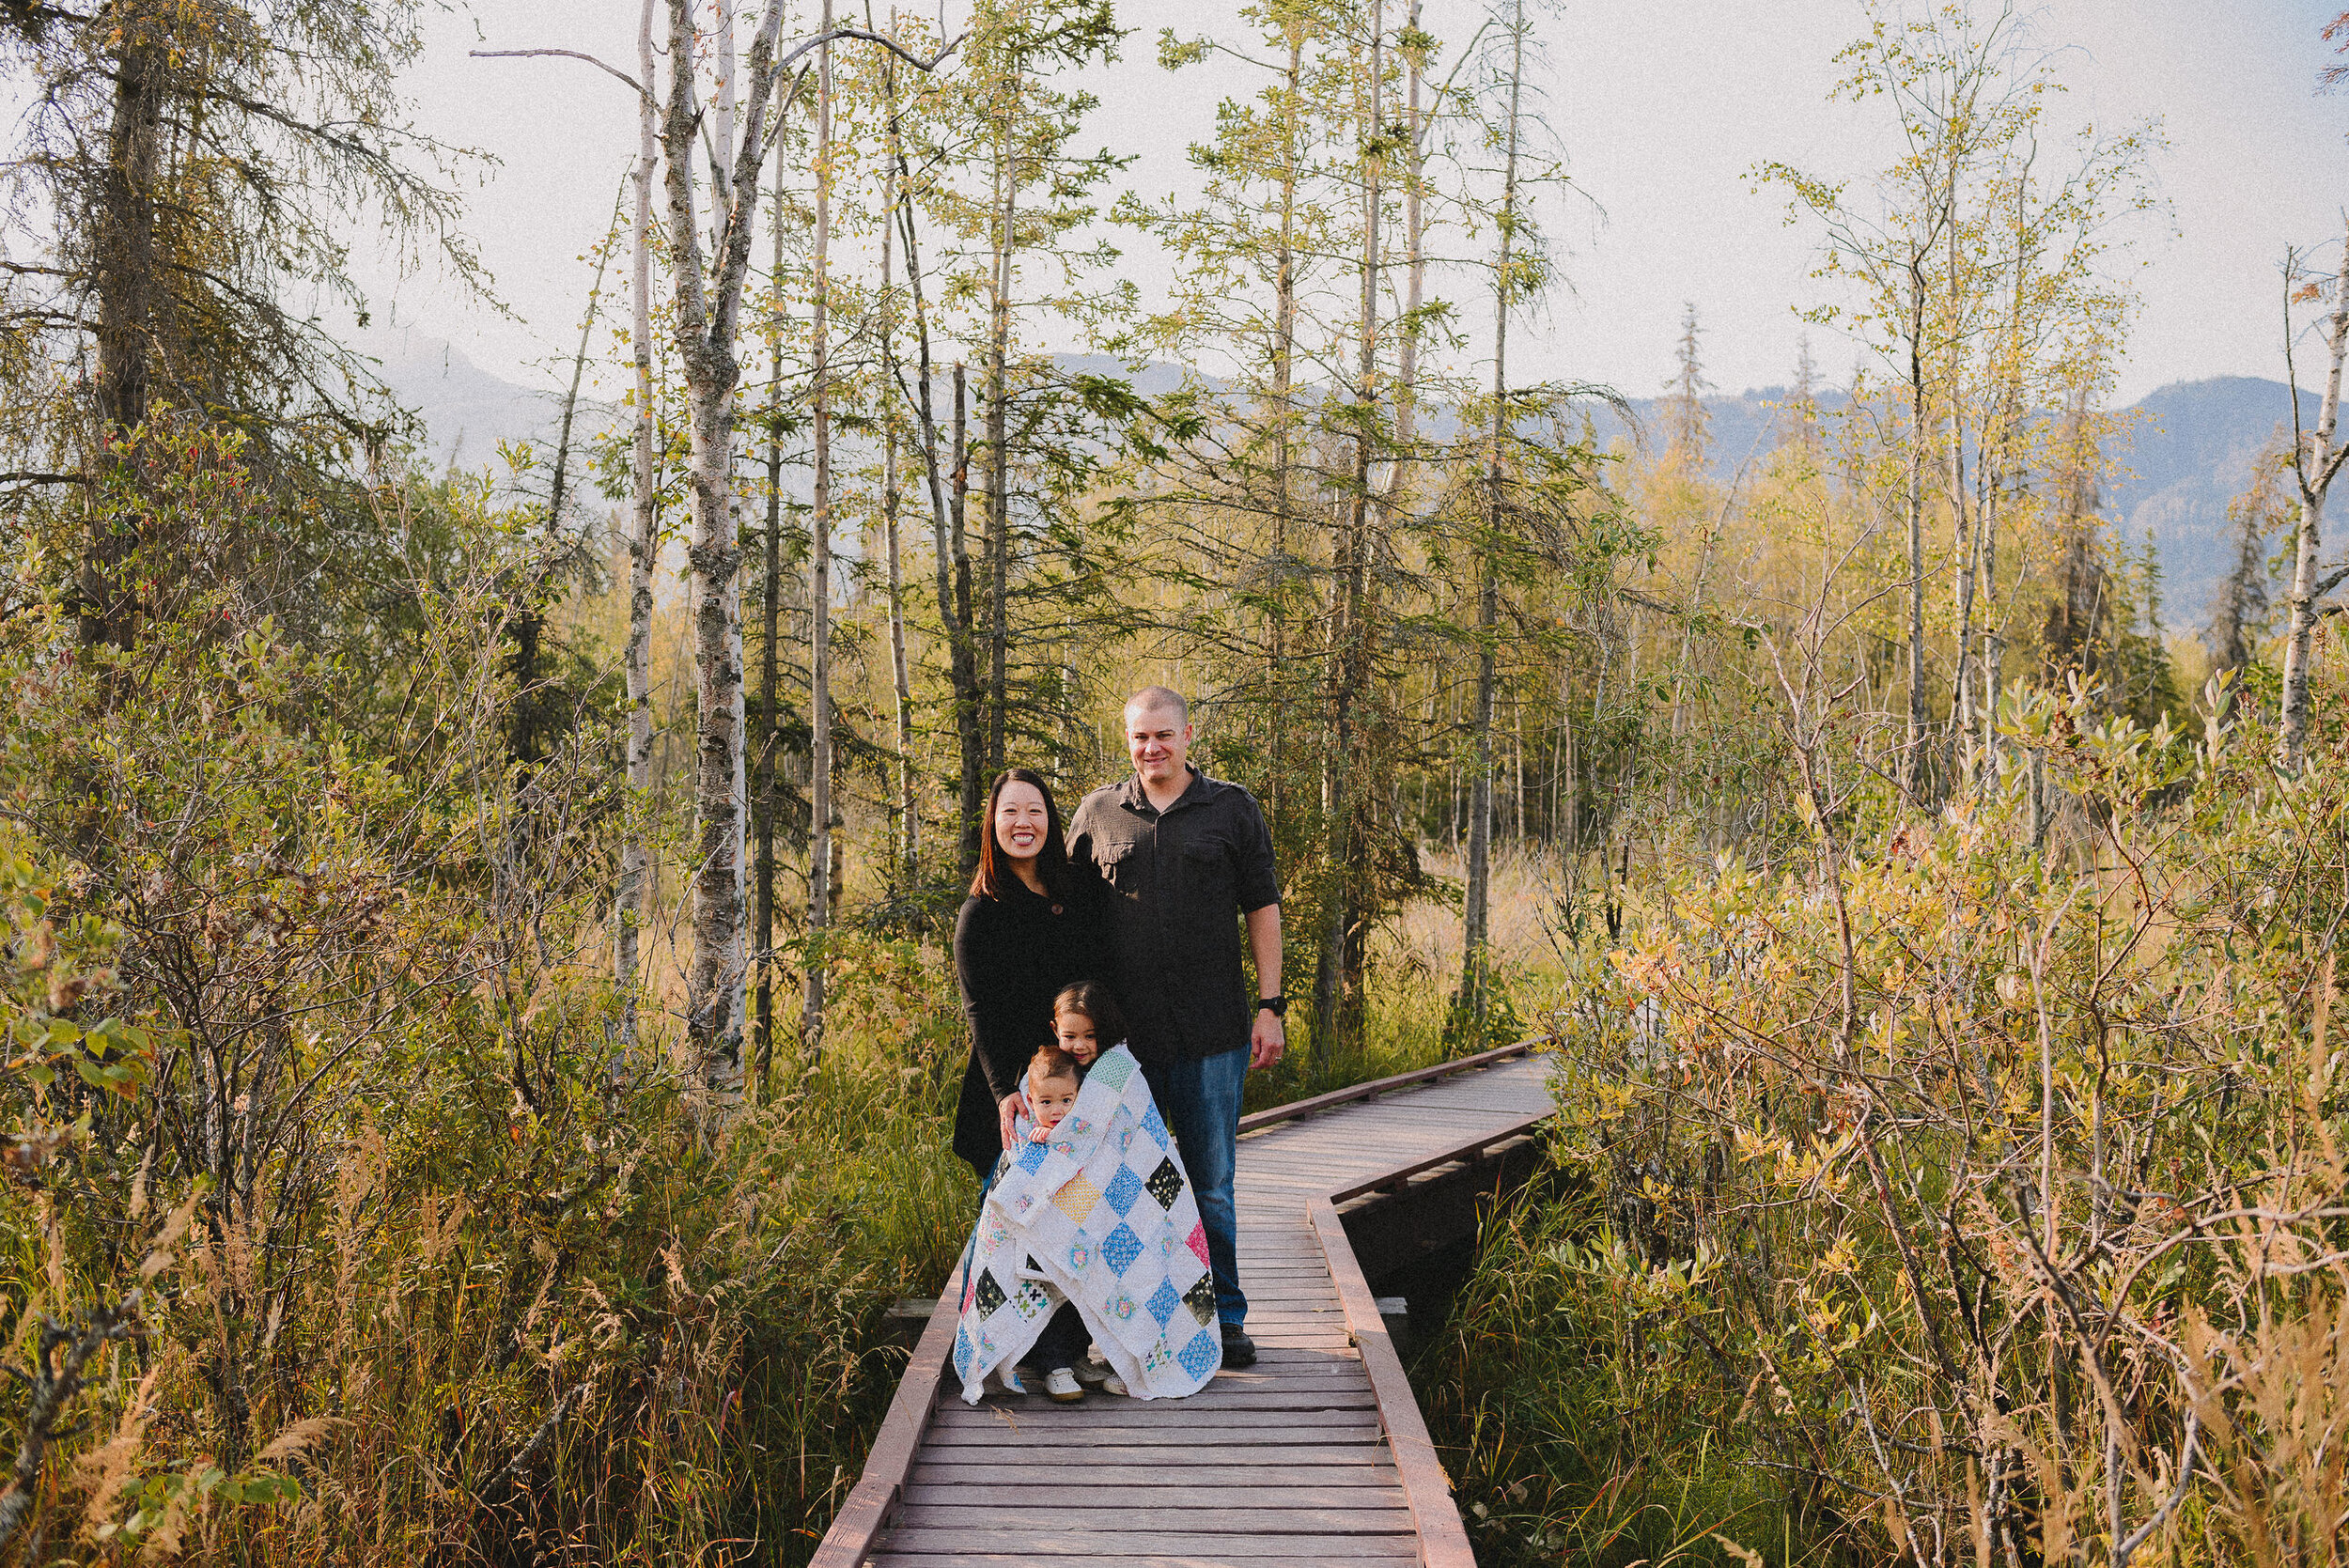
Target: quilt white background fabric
(1102, 1215)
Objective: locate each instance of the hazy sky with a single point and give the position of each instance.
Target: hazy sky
(1663, 109)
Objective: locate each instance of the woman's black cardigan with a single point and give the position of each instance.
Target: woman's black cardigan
(1012, 956)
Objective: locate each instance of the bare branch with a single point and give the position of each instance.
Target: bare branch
(563, 54)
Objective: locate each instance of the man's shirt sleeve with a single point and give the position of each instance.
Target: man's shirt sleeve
(1259, 879)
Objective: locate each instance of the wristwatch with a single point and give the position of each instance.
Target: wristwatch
(1277, 1006)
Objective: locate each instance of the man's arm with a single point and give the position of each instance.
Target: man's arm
(1267, 1038)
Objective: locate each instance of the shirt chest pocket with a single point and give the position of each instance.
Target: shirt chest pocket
(1209, 893)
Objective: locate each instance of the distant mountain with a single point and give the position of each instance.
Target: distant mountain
(466, 411)
(2192, 453)
(2189, 451)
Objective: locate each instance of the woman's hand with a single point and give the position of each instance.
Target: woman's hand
(1015, 1104)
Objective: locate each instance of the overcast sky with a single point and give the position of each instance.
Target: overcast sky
(1662, 110)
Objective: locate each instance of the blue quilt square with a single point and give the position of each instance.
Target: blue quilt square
(1200, 1353)
(1122, 1190)
(1163, 1302)
(1155, 1124)
(1120, 1248)
(1033, 1156)
(962, 1352)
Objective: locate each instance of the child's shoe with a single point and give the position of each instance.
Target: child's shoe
(1093, 1369)
(1113, 1383)
(1063, 1386)
(1007, 1376)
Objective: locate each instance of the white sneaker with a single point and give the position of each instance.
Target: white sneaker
(1113, 1383)
(1007, 1376)
(1093, 1369)
(1063, 1386)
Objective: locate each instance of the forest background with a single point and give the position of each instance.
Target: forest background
(479, 1040)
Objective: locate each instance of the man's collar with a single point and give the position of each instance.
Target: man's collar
(1138, 798)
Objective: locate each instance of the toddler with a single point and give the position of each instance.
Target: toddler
(1053, 1078)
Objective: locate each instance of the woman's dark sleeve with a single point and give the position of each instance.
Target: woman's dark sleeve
(979, 969)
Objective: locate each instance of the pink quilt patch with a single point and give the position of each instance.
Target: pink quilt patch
(1199, 1242)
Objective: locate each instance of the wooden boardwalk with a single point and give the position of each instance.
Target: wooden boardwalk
(1315, 1455)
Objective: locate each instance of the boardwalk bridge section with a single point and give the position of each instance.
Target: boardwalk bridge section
(1315, 1455)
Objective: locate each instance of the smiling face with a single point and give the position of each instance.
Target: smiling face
(1074, 1034)
(1051, 1098)
(1021, 822)
(1158, 738)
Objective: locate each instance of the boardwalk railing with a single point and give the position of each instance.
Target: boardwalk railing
(1441, 1541)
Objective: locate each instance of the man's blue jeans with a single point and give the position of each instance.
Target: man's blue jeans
(1200, 1100)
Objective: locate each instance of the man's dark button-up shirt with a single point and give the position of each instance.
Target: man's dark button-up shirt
(1178, 882)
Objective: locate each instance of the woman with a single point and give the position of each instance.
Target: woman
(1029, 928)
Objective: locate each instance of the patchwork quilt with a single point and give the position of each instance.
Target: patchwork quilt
(1103, 1216)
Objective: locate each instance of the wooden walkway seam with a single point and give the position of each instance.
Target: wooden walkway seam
(1317, 1456)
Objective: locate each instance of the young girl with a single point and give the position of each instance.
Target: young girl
(1085, 1020)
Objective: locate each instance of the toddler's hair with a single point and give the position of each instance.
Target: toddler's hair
(1051, 1062)
(1090, 998)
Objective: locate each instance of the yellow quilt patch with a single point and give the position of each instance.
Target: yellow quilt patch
(1077, 1199)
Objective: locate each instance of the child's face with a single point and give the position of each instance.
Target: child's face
(1050, 1100)
(1074, 1031)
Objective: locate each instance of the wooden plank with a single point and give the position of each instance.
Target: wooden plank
(1464, 1153)
(1121, 1421)
(1230, 1433)
(926, 1558)
(1003, 1471)
(1090, 1456)
(1056, 1493)
(1053, 1543)
(895, 1446)
(1442, 1539)
(1255, 1516)
(1386, 1086)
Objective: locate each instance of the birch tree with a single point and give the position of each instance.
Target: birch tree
(2315, 460)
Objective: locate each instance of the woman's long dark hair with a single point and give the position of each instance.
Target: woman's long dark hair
(1051, 861)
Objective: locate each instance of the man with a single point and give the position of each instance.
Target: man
(1186, 859)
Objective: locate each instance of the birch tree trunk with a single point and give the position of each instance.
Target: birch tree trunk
(2315, 462)
(628, 914)
(770, 614)
(1913, 747)
(998, 453)
(1470, 1003)
(908, 817)
(708, 308)
(819, 862)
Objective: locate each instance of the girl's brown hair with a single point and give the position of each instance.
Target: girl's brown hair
(1051, 861)
(1090, 998)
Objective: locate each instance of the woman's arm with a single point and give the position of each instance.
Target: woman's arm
(979, 969)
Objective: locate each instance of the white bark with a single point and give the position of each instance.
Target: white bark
(627, 915)
(819, 864)
(2315, 462)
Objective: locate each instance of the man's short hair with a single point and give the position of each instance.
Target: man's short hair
(1151, 698)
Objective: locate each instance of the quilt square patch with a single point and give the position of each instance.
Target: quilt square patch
(1076, 1199)
(1122, 1307)
(1198, 1240)
(1032, 1298)
(1155, 1124)
(1163, 1302)
(1122, 1190)
(1203, 1352)
(1120, 1248)
(1031, 1157)
(1113, 1071)
(990, 1293)
(1200, 1298)
(1165, 1184)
